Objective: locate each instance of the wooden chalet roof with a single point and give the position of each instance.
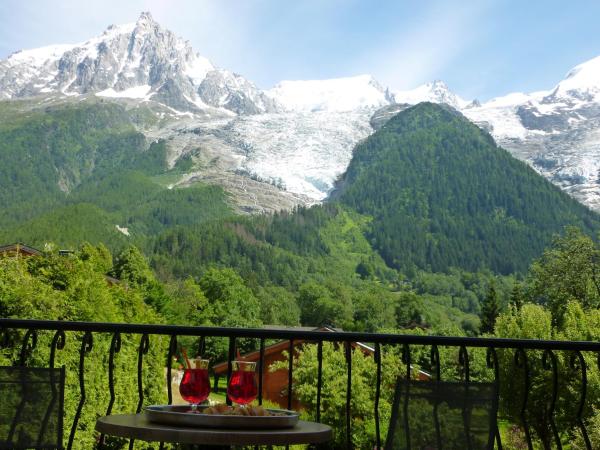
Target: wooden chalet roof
(19, 249)
(25, 250)
(221, 368)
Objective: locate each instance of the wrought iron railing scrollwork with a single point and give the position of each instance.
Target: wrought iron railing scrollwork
(577, 362)
(406, 359)
(320, 378)
(142, 351)
(290, 385)
(561, 365)
(549, 363)
(348, 411)
(87, 342)
(170, 354)
(28, 344)
(58, 343)
(465, 371)
(230, 356)
(115, 347)
(491, 359)
(261, 369)
(377, 356)
(434, 357)
(521, 361)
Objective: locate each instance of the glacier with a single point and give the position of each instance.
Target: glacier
(287, 145)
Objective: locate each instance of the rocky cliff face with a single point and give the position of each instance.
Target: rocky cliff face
(231, 91)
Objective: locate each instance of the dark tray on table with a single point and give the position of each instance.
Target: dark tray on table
(182, 415)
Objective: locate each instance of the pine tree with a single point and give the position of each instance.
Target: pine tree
(517, 297)
(489, 310)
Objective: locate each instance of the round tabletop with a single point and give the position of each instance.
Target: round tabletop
(137, 426)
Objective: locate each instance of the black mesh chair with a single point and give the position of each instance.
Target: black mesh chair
(436, 415)
(31, 408)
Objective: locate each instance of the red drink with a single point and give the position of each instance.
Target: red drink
(242, 387)
(195, 385)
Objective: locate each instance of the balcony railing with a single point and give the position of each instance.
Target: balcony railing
(21, 337)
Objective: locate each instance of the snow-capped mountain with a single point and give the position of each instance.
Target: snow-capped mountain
(338, 94)
(581, 84)
(297, 137)
(555, 131)
(139, 60)
(435, 92)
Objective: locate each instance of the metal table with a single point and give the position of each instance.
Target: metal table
(137, 426)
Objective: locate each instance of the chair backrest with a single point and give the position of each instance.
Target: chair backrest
(31, 407)
(435, 415)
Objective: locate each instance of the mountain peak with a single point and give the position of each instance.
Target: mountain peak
(435, 91)
(145, 16)
(137, 60)
(146, 22)
(438, 84)
(590, 66)
(582, 82)
(334, 94)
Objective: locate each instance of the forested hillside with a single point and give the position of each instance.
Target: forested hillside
(48, 152)
(433, 229)
(321, 257)
(429, 214)
(442, 194)
(71, 173)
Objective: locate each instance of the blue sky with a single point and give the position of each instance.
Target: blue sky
(480, 48)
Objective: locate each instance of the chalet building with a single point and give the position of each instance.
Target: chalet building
(275, 383)
(22, 250)
(19, 249)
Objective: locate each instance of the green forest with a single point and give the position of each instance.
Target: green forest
(442, 194)
(557, 298)
(433, 229)
(71, 172)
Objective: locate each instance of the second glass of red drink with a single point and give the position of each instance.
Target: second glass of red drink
(242, 387)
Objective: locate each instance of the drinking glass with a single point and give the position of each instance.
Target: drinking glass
(195, 385)
(242, 387)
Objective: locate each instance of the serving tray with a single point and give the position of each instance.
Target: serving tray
(180, 415)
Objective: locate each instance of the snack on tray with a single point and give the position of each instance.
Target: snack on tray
(226, 410)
